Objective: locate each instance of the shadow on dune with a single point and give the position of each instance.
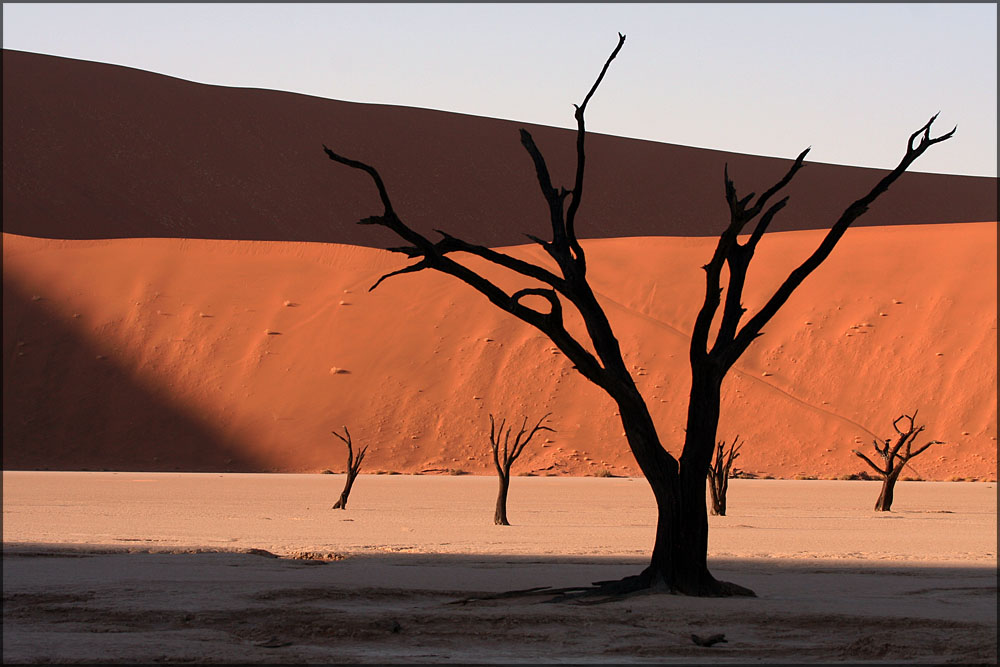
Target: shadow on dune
(102, 151)
(68, 404)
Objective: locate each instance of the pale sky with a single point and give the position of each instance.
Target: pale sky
(850, 80)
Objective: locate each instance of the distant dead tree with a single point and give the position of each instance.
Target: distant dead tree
(353, 466)
(680, 548)
(892, 459)
(718, 473)
(504, 458)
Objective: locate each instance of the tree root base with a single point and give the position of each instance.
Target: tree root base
(601, 592)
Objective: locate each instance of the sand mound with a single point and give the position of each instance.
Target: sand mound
(102, 151)
(159, 352)
(171, 354)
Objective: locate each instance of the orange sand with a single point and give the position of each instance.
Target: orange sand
(168, 354)
(162, 350)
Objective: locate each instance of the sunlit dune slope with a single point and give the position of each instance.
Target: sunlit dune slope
(170, 354)
(102, 151)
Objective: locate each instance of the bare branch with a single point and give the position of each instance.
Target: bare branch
(347, 439)
(554, 198)
(739, 215)
(412, 268)
(519, 445)
(870, 462)
(786, 179)
(894, 451)
(389, 219)
(355, 164)
(407, 250)
(506, 451)
(753, 327)
(593, 89)
(882, 447)
(517, 442)
(734, 452)
(925, 446)
(925, 140)
(729, 251)
(495, 443)
(549, 324)
(549, 295)
(762, 225)
(738, 261)
(581, 157)
(453, 244)
(603, 368)
(901, 418)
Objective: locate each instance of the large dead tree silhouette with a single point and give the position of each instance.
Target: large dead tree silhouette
(893, 461)
(504, 457)
(353, 466)
(679, 558)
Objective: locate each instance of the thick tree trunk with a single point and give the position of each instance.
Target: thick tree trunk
(500, 517)
(884, 502)
(679, 562)
(718, 503)
(718, 481)
(342, 503)
(718, 490)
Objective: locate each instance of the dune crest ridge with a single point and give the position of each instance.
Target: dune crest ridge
(93, 150)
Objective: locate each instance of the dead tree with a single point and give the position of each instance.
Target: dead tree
(353, 466)
(718, 473)
(504, 459)
(680, 548)
(893, 460)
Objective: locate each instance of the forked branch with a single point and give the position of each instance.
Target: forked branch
(577, 191)
(564, 248)
(731, 340)
(504, 458)
(753, 327)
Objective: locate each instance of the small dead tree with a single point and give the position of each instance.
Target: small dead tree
(679, 560)
(893, 459)
(504, 459)
(718, 474)
(353, 466)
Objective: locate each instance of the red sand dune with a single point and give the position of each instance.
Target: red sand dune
(102, 151)
(242, 353)
(169, 354)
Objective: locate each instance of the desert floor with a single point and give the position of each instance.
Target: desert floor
(256, 568)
